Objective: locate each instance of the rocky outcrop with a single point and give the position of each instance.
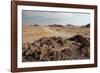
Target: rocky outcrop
(56, 48)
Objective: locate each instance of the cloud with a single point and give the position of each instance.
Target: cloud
(51, 15)
(44, 17)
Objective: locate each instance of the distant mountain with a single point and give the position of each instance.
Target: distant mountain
(69, 25)
(55, 25)
(87, 25)
(35, 25)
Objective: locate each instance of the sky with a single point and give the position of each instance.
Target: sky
(30, 17)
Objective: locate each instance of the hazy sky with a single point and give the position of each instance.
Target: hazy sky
(30, 17)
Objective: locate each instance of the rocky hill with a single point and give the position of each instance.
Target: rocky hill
(57, 48)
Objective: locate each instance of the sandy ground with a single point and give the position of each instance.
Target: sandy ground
(31, 33)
